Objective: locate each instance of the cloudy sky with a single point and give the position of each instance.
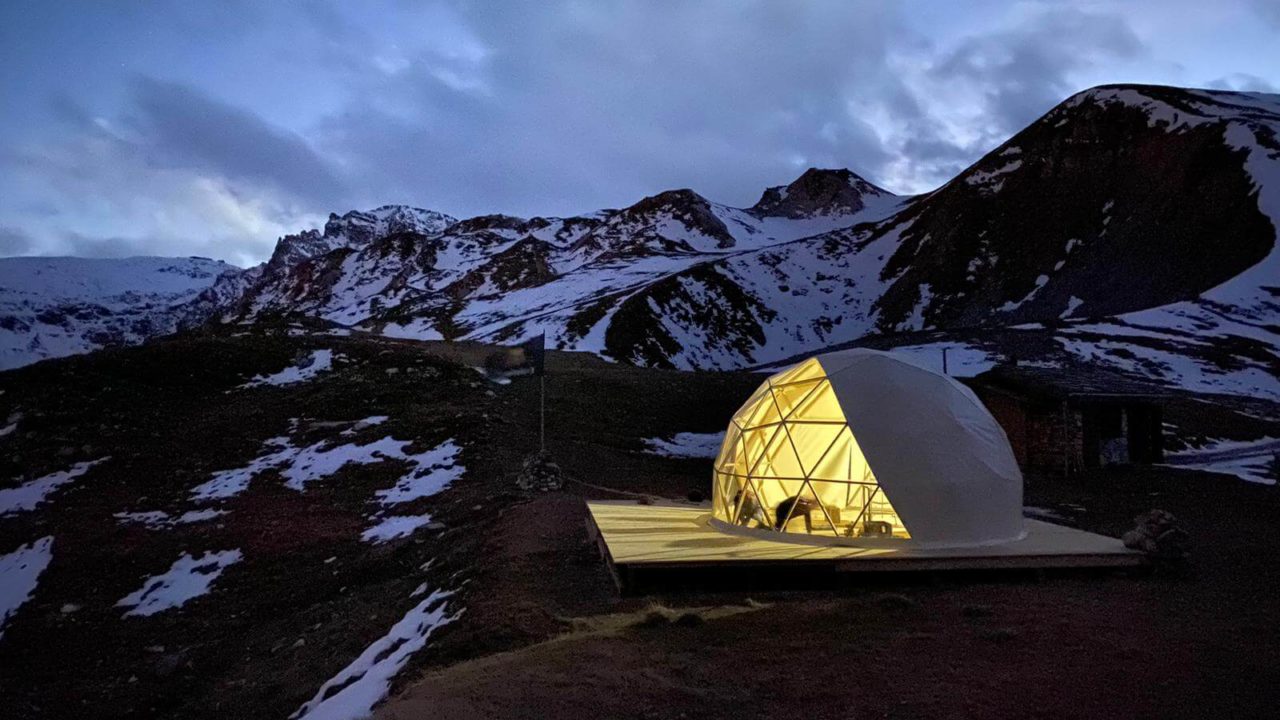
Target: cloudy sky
(211, 128)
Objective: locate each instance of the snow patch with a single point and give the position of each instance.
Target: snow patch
(19, 572)
(29, 495)
(993, 178)
(229, 483)
(1250, 460)
(187, 578)
(353, 692)
(1010, 306)
(318, 362)
(1176, 369)
(430, 471)
(371, 421)
(687, 445)
(315, 461)
(156, 519)
(916, 320)
(433, 471)
(391, 527)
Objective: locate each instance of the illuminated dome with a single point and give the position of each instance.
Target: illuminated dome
(861, 447)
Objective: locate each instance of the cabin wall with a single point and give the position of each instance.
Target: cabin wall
(1055, 439)
(1062, 437)
(1043, 438)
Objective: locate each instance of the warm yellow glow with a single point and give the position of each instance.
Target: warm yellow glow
(790, 463)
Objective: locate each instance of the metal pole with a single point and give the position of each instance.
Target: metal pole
(944, 361)
(542, 413)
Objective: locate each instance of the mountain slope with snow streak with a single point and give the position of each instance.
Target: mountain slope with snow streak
(1155, 204)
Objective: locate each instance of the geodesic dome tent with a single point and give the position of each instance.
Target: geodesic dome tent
(862, 447)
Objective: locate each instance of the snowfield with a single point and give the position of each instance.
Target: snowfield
(56, 306)
(962, 360)
(1179, 367)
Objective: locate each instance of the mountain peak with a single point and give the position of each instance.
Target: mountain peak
(356, 229)
(819, 192)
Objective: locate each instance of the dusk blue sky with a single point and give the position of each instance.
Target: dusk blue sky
(212, 128)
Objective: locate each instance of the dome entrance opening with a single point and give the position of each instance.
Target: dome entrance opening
(790, 463)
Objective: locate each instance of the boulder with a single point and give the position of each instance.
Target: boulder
(540, 474)
(1158, 534)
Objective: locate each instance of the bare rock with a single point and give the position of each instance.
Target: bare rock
(540, 474)
(1158, 534)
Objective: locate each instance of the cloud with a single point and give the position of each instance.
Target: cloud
(971, 94)
(14, 242)
(176, 173)
(1268, 10)
(113, 199)
(1243, 82)
(565, 107)
(109, 247)
(555, 107)
(178, 127)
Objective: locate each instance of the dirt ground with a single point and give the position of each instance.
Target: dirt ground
(544, 632)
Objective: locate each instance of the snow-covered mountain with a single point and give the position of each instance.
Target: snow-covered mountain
(1128, 217)
(1121, 199)
(499, 277)
(55, 306)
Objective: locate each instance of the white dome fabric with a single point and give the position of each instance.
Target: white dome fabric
(940, 457)
(863, 447)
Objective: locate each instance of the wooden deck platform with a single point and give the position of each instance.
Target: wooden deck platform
(675, 543)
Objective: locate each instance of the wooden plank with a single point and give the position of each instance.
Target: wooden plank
(669, 536)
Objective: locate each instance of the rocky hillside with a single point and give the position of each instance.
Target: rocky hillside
(336, 514)
(276, 522)
(50, 307)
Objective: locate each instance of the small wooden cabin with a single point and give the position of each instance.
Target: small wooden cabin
(1060, 421)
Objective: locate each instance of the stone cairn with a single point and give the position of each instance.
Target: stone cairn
(540, 474)
(1157, 534)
